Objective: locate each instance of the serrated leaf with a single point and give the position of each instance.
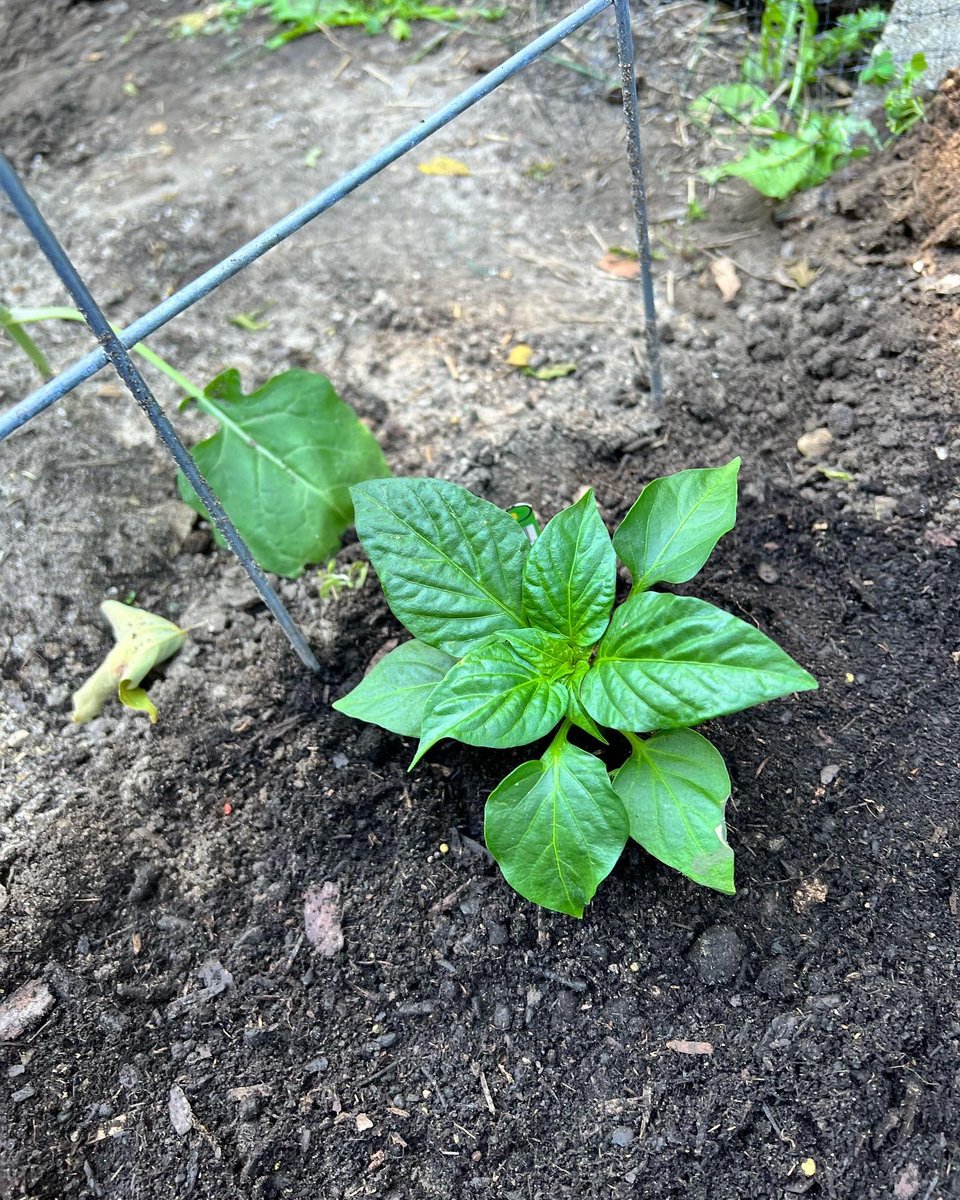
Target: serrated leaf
(394, 693)
(670, 531)
(282, 464)
(674, 787)
(783, 164)
(672, 661)
(556, 827)
(506, 692)
(142, 640)
(570, 576)
(449, 563)
(730, 99)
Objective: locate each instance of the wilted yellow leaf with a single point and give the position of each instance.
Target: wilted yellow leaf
(441, 165)
(142, 641)
(520, 355)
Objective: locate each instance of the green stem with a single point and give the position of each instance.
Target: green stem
(25, 316)
(559, 739)
(14, 329)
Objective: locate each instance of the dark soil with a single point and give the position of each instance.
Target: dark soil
(464, 1043)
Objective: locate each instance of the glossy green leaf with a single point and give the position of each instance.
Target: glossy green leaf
(576, 713)
(674, 787)
(670, 531)
(282, 463)
(394, 693)
(556, 827)
(508, 691)
(671, 661)
(570, 576)
(449, 563)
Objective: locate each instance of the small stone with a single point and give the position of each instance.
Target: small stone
(884, 507)
(768, 572)
(816, 443)
(144, 883)
(622, 1136)
(501, 1017)
(250, 1108)
(717, 954)
(842, 419)
(181, 1114)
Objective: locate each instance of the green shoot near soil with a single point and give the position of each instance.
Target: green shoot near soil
(282, 461)
(297, 18)
(791, 130)
(513, 638)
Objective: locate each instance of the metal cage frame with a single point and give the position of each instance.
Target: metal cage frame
(114, 346)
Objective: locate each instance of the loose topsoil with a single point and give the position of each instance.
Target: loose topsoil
(180, 1034)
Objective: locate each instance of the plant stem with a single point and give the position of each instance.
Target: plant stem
(25, 316)
(26, 343)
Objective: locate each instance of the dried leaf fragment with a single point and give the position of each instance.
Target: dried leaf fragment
(724, 272)
(142, 641)
(618, 265)
(363, 1122)
(321, 918)
(801, 273)
(441, 165)
(181, 1114)
(23, 1008)
(682, 1047)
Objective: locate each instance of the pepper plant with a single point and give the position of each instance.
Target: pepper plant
(513, 639)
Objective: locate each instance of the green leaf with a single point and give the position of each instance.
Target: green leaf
(570, 576)
(780, 166)
(136, 698)
(395, 692)
(551, 371)
(671, 661)
(669, 533)
(576, 713)
(675, 787)
(556, 827)
(508, 691)
(449, 563)
(282, 463)
(734, 100)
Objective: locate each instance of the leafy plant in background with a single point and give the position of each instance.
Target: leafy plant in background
(301, 17)
(795, 137)
(513, 638)
(282, 461)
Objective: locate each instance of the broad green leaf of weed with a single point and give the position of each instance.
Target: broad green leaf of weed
(282, 463)
(668, 662)
(674, 787)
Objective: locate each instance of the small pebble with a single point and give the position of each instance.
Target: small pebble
(622, 1136)
(768, 572)
(717, 954)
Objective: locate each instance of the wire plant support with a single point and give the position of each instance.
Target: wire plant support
(114, 346)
